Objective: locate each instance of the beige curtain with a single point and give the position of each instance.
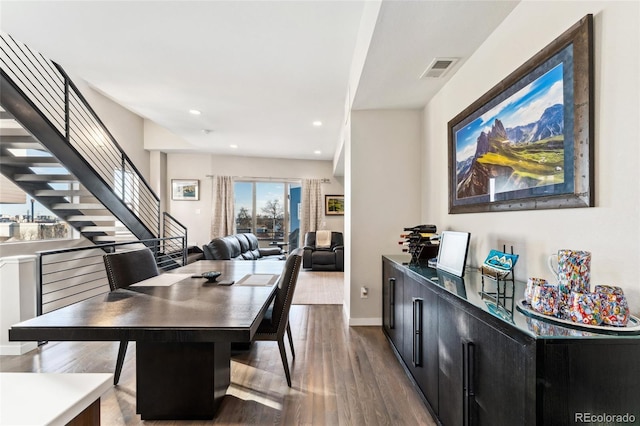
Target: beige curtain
(312, 207)
(222, 220)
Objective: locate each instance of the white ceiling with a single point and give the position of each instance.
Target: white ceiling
(259, 71)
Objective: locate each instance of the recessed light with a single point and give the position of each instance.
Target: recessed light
(317, 123)
(194, 112)
(234, 146)
(317, 152)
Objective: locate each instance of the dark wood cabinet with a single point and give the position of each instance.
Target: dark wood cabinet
(420, 330)
(392, 301)
(475, 366)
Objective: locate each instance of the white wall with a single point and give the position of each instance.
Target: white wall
(384, 171)
(196, 215)
(611, 230)
(125, 126)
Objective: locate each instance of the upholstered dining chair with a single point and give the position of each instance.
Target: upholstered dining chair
(124, 269)
(276, 320)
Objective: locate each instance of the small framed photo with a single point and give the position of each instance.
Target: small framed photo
(334, 205)
(185, 189)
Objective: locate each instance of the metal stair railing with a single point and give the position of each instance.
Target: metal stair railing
(49, 88)
(171, 230)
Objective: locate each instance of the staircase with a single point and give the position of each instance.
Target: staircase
(25, 161)
(55, 148)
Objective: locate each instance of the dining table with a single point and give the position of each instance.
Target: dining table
(183, 326)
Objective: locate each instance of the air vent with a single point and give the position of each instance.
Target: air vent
(439, 67)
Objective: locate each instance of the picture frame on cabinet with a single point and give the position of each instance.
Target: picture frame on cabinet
(528, 142)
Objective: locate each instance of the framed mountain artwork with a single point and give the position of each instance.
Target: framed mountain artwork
(528, 143)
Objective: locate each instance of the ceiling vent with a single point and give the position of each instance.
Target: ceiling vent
(439, 67)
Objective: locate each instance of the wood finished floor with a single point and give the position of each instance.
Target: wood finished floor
(341, 376)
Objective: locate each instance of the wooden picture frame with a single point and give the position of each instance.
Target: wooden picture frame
(334, 205)
(528, 142)
(185, 189)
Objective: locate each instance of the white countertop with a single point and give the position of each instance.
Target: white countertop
(48, 398)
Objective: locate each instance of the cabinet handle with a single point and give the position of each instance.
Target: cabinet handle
(417, 332)
(468, 382)
(392, 303)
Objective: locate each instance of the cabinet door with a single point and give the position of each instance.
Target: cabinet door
(501, 380)
(452, 332)
(392, 300)
(421, 337)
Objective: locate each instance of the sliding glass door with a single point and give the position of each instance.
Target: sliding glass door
(270, 210)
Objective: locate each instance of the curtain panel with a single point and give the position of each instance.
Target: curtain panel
(312, 206)
(222, 217)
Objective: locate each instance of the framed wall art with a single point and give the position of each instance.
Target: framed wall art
(528, 142)
(334, 205)
(185, 189)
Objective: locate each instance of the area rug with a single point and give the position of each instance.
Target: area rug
(319, 288)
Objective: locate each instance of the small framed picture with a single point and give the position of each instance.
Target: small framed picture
(185, 189)
(334, 205)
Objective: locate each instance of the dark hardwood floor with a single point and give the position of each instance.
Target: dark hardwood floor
(341, 376)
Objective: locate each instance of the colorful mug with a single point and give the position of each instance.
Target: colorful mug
(614, 306)
(573, 269)
(545, 299)
(532, 283)
(585, 308)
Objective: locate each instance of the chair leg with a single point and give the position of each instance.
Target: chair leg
(293, 353)
(122, 351)
(285, 363)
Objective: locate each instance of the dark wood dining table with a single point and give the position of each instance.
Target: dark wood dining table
(183, 332)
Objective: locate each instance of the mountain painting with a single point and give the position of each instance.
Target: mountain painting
(516, 145)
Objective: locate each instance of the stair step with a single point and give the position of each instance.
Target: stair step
(78, 206)
(29, 161)
(102, 229)
(62, 193)
(31, 177)
(13, 144)
(89, 218)
(112, 238)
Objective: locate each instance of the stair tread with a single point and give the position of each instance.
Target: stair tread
(90, 218)
(32, 177)
(62, 193)
(32, 161)
(78, 206)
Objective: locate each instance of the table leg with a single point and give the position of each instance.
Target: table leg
(179, 381)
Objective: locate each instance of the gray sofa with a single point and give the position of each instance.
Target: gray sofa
(240, 247)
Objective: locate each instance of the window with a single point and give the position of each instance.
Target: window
(269, 210)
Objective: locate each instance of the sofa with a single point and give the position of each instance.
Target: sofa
(240, 247)
(329, 258)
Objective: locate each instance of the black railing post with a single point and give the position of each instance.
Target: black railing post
(39, 286)
(67, 120)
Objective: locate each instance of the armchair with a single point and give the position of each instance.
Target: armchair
(323, 258)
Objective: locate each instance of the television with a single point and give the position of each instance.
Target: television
(452, 254)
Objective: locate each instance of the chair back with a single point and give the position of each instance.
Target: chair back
(286, 287)
(126, 268)
(336, 239)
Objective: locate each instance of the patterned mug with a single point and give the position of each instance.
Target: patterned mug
(585, 308)
(532, 283)
(614, 306)
(545, 299)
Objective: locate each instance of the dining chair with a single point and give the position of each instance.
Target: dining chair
(124, 269)
(276, 320)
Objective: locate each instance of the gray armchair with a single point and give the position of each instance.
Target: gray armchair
(326, 258)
